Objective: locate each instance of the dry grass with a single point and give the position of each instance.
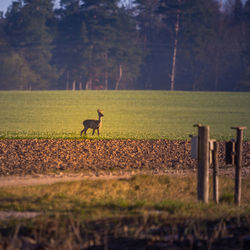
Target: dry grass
(143, 211)
(175, 196)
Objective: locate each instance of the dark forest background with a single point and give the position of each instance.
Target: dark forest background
(140, 44)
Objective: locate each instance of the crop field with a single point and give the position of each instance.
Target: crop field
(134, 187)
(127, 114)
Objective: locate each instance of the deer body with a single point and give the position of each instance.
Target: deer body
(93, 124)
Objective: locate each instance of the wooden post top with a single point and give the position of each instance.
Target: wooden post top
(239, 128)
(200, 125)
(212, 140)
(197, 125)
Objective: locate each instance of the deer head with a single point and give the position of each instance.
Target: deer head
(100, 113)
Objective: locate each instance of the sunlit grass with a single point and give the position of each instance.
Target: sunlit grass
(175, 196)
(127, 114)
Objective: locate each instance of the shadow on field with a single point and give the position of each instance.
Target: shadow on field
(134, 232)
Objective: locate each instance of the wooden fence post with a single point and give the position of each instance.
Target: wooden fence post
(203, 163)
(238, 164)
(215, 161)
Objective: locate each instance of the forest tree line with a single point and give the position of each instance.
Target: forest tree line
(115, 44)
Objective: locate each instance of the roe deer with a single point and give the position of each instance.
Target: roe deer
(94, 124)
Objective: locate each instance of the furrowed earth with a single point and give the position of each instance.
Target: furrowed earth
(41, 156)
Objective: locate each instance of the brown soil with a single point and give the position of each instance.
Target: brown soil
(33, 156)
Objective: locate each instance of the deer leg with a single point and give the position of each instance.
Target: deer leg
(82, 132)
(85, 130)
(98, 131)
(93, 131)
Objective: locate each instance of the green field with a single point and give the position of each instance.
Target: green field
(128, 114)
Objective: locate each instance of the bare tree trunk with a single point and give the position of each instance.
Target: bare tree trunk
(89, 83)
(80, 85)
(106, 80)
(216, 76)
(177, 27)
(106, 72)
(216, 70)
(67, 81)
(119, 78)
(74, 85)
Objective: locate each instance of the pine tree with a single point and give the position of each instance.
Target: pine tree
(234, 45)
(238, 12)
(172, 9)
(126, 54)
(245, 83)
(198, 33)
(100, 18)
(28, 30)
(15, 72)
(114, 55)
(154, 41)
(71, 52)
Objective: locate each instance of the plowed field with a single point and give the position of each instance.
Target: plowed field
(32, 156)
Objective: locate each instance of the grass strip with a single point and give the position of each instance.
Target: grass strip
(174, 196)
